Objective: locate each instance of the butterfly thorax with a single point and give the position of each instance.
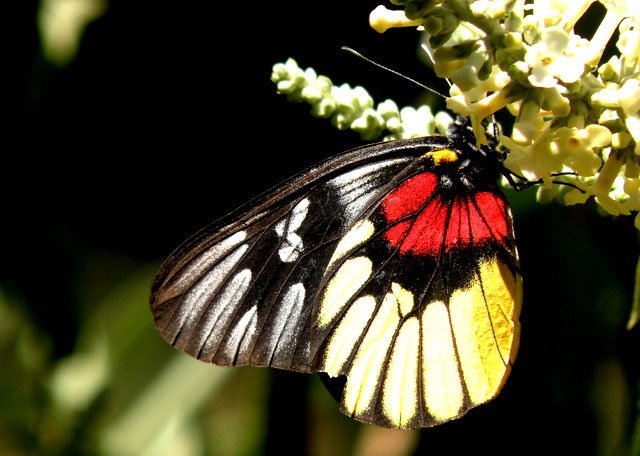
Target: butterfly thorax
(465, 170)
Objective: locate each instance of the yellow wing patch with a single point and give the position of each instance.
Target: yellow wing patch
(404, 298)
(485, 327)
(343, 285)
(347, 333)
(357, 235)
(442, 390)
(368, 366)
(401, 383)
(445, 357)
(442, 156)
(503, 295)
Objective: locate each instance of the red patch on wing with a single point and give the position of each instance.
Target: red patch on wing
(493, 222)
(475, 218)
(410, 196)
(458, 231)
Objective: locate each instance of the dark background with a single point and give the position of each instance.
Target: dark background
(167, 119)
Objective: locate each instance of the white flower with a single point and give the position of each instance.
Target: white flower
(417, 122)
(626, 97)
(579, 147)
(548, 61)
(548, 12)
(537, 161)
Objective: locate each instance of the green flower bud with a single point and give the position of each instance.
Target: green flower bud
(531, 29)
(416, 9)
(440, 22)
(610, 71)
(513, 21)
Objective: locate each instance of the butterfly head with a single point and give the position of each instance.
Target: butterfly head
(462, 164)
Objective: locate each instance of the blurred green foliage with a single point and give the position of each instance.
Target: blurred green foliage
(124, 391)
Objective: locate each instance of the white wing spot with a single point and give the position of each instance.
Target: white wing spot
(237, 340)
(288, 314)
(292, 243)
(197, 299)
(221, 314)
(202, 263)
(356, 189)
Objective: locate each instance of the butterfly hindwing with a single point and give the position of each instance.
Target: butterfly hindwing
(392, 266)
(421, 316)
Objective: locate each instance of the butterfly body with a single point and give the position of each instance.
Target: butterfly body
(392, 265)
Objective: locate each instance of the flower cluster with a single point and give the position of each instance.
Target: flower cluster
(353, 108)
(576, 116)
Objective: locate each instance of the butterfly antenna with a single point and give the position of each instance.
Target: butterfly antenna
(397, 73)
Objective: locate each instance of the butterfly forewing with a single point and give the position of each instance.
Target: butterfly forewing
(385, 265)
(240, 291)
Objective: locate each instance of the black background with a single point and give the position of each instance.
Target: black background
(167, 119)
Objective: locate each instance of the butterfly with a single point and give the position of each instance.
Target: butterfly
(392, 267)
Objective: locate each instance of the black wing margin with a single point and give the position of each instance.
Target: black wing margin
(240, 292)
